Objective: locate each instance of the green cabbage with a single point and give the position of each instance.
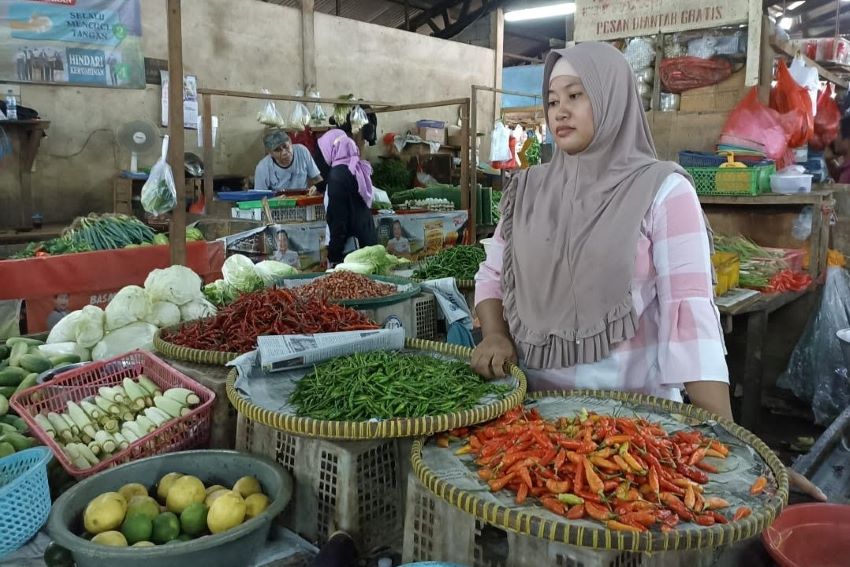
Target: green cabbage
(377, 257)
(90, 326)
(220, 293)
(176, 284)
(272, 271)
(240, 273)
(194, 235)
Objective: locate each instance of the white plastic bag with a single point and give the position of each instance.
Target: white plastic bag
(319, 117)
(159, 195)
(640, 53)
(500, 149)
(300, 117)
(269, 114)
(806, 77)
(358, 119)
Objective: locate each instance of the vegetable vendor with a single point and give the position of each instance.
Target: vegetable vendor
(599, 274)
(286, 167)
(348, 195)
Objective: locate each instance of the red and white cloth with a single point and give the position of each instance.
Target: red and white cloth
(679, 337)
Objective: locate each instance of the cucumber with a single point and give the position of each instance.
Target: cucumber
(12, 376)
(5, 352)
(64, 359)
(18, 350)
(7, 391)
(6, 428)
(35, 363)
(6, 449)
(4, 364)
(18, 441)
(15, 421)
(33, 350)
(4, 406)
(12, 341)
(27, 382)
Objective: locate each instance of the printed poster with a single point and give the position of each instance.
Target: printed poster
(416, 236)
(76, 42)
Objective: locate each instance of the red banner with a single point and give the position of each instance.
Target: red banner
(54, 285)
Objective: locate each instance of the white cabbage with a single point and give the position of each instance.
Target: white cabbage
(66, 329)
(272, 271)
(239, 272)
(175, 284)
(128, 306)
(163, 314)
(133, 336)
(90, 326)
(197, 309)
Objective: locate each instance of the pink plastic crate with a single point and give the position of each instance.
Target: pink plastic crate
(793, 257)
(186, 432)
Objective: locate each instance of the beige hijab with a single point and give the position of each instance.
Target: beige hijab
(571, 226)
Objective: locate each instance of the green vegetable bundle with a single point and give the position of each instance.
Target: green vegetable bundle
(387, 385)
(391, 175)
(758, 265)
(460, 262)
(108, 231)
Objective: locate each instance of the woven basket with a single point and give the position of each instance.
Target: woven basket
(186, 354)
(528, 521)
(412, 290)
(387, 429)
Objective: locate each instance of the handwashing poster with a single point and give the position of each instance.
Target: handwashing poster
(79, 42)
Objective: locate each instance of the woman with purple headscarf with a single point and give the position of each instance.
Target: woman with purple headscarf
(348, 194)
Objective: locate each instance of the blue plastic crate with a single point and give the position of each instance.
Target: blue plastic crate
(24, 497)
(700, 159)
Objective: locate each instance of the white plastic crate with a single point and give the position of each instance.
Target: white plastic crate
(417, 316)
(356, 486)
(310, 213)
(434, 530)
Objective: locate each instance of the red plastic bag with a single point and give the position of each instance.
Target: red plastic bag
(793, 101)
(827, 121)
(755, 126)
(680, 74)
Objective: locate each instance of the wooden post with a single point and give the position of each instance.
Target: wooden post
(308, 45)
(209, 156)
(466, 197)
(176, 146)
(756, 45)
(467, 185)
(497, 42)
(766, 58)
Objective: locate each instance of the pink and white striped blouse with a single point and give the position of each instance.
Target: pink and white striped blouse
(679, 337)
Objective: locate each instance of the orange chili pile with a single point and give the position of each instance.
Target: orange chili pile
(786, 280)
(270, 312)
(342, 285)
(629, 474)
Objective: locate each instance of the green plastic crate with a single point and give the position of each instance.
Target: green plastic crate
(273, 203)
(733, 181)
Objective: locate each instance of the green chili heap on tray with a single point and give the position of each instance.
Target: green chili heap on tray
(388, 385)
(459, 262)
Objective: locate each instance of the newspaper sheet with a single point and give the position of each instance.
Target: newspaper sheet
(285, 352)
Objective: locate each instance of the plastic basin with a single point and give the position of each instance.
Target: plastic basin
(238, 546)
(806, 535)
(844, 339)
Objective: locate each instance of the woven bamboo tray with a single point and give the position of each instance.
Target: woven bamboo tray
(386, 429)
(431, 463)
(193, 355)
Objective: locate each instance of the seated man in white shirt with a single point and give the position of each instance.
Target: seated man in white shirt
(286, 167)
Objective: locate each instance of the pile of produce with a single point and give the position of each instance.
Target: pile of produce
(370, 260)
(342, 285)
(96, 428)
(241, 276)
(180, 508)
(460, 262)
(270, 312)
(626, 473)
(391, 175)
(758, 265)
(132, 318)
(788, 281)
(386, 385)
(20, 363)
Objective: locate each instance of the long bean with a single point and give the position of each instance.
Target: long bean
(385, 385)
(459, 262)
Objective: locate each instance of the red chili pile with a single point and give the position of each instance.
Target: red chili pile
(271, 312)
(629, 474)
(786, 280)
(342, 285)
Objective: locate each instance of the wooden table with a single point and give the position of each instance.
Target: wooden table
(26, 138)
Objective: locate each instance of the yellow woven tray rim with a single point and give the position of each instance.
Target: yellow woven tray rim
(185, 354)
(388, 429)
(462, 285)
(527, 522)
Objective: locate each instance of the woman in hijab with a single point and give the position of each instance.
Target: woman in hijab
(348, 194)
(626, 301)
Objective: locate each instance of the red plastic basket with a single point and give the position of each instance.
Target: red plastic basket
(186, 432)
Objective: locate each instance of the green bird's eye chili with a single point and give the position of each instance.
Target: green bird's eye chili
(459, 262)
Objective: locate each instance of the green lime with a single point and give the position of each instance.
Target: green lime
(137, 527)
(193, 519)
(184, 537)
(166, 527)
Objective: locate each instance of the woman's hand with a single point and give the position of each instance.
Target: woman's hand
(491, 355)
(804, 485)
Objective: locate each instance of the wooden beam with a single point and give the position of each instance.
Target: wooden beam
(292, 98)
(420, 105)
(176, 145)
(421, 19)
(519, 57)
(464, 22)
(308, 45)
(497, 42)
(465, 187)
(754, 43)
(209, 156)
(767, 56)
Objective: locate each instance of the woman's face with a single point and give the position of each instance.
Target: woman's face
(397, 230)
(282, 242)
(570, 114)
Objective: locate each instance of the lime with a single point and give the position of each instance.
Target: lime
(136, 528)
(166, 527)
(193, 519)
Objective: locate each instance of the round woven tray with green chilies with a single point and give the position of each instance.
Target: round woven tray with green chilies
(749, 458)
(389, 428)
(186, 354)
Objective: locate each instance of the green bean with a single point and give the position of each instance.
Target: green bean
(459, 262)
(388, 385)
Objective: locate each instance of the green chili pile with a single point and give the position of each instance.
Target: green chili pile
(459, 262)
(388, 385)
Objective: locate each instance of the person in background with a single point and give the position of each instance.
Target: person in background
(286, 167)
(398, 244)
(60, 309)
(283, 253)
(599, 274)
(348, 195)
(837, 154)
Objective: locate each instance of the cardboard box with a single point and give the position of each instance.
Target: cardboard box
(454, 136)
(722, 97)
(433, 134)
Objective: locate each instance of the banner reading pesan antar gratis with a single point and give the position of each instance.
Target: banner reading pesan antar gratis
(78, 42)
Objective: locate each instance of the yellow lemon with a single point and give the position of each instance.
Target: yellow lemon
(255, 505)
(165, 485)
(246, 486)
(128, 491)
(104, 513)
(217, 494)
(110, 538)
(226, 512)
(184, 491)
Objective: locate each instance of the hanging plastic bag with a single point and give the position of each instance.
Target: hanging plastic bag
(319, 117)
(793, 102)
(511, 162)
(499, 139)
(802, 228)
(807, 77)
(755, 126)
(269, 114)
(685, 73)
(827, 121)
(159, 195)
(817, 371)
(640, 53)
(300, 117)
(358, 119)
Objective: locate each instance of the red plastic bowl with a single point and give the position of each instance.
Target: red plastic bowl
(809, 535)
